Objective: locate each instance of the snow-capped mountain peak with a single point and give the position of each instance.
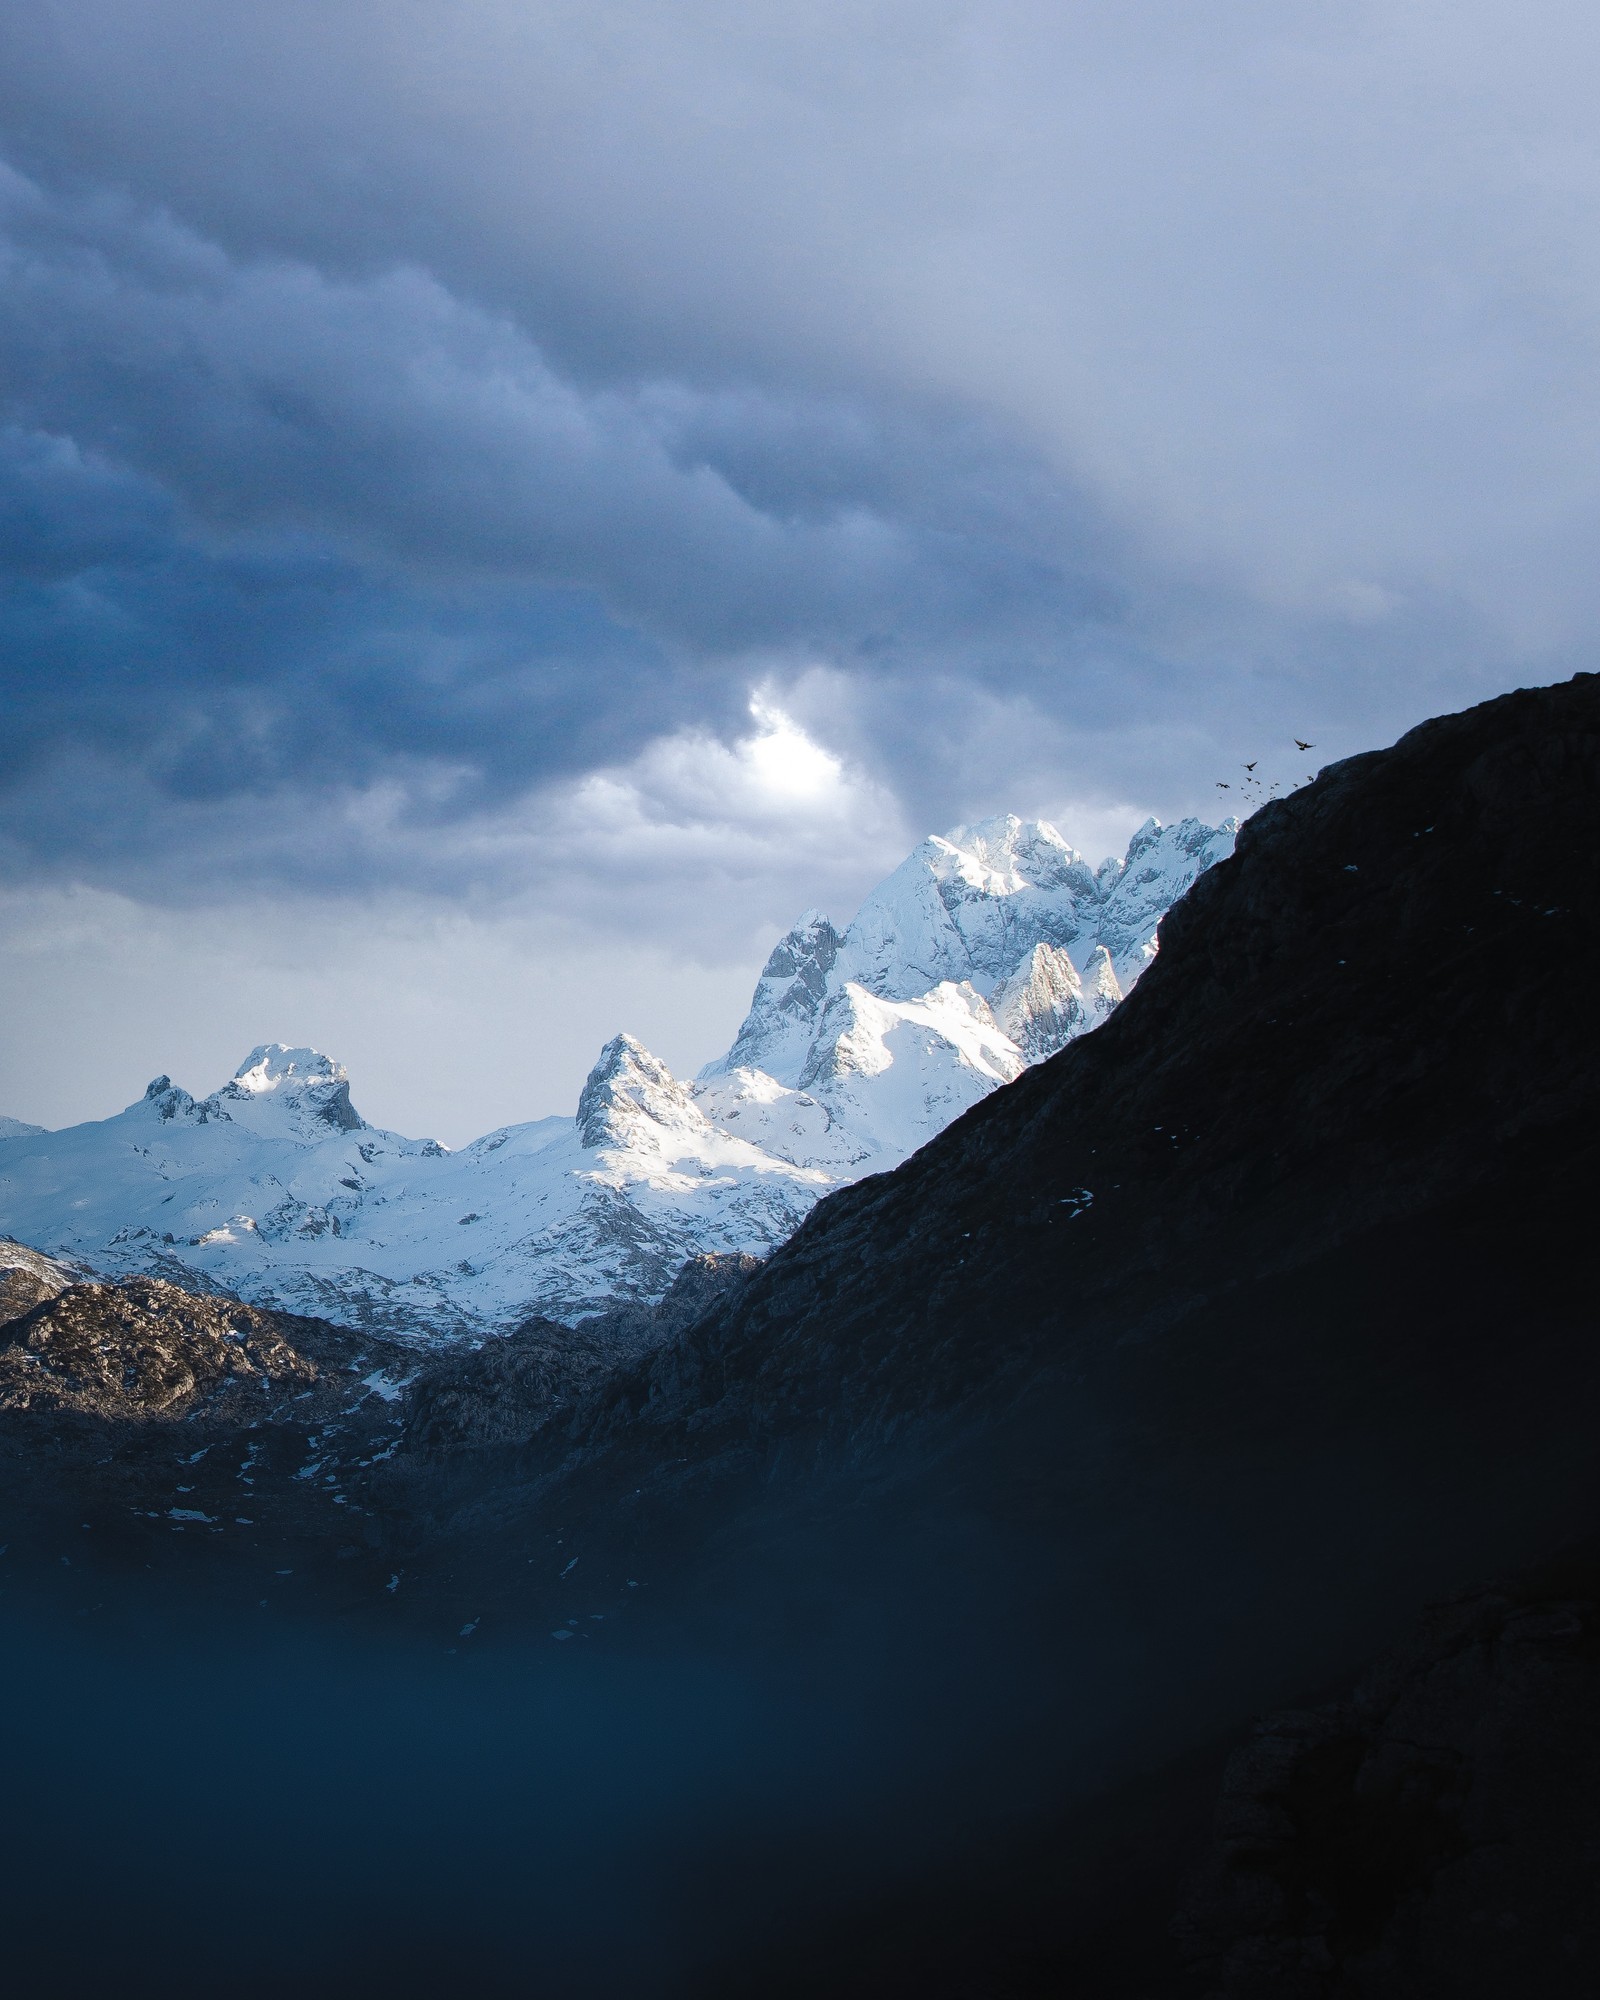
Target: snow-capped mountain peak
(1005, 855)
(970, 905)
(275, 1066)
(631, 1096)
(167, 1100)
(1006, 911)
(793, 989)
(302, 1086)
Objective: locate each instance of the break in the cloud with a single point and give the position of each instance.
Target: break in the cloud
(424, 429)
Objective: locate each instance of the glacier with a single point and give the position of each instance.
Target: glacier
(988, 949)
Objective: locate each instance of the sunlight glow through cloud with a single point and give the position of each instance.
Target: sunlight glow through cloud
(786, 762)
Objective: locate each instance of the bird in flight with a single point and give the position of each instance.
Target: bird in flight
(1223, 785)
(1303, 746)
(1251, 767)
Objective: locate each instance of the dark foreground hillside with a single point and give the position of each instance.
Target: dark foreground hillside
(1169, 1383)
(1162, 1393)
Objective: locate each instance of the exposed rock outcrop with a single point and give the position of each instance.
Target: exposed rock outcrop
(27, 1277)
(506, 1390)
(142, 1349)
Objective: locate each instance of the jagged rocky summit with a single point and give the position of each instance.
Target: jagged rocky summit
(1030, 938)
(985, 951)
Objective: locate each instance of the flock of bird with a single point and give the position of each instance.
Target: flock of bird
(1253, 788)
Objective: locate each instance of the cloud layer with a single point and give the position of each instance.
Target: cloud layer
(424, 430)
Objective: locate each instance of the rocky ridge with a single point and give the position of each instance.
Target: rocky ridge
(141, 1349)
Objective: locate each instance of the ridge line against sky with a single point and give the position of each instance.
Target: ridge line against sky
(502, 506)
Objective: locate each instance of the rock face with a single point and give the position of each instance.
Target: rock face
(859, 1046)
(1044, 1004)
(1434, 1833)
(507, 1390)
(26, 1278)
(142, 1349)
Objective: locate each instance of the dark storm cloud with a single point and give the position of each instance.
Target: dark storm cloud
(216, 667)
(267, 531)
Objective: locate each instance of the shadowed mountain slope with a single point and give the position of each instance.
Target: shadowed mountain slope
(1365, 1053)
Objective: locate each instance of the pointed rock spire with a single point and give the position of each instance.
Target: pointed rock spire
(1040, 1006)
(628, 1091)
(1102, 991)
(794, 987)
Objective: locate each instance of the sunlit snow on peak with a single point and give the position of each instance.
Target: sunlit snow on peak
(273, 1065)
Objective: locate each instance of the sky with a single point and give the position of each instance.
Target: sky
(504, 503)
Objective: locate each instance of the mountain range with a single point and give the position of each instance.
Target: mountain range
(987, 950)
(1015, 1584)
